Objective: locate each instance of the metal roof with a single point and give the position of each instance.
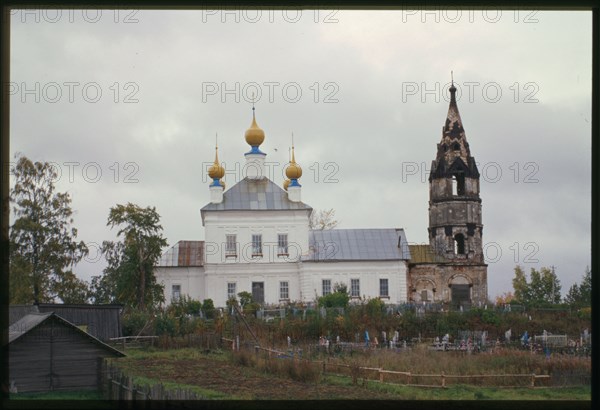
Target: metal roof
(31, 321)
(357, 244)
(16, 312)
(183, 253)
(255, 195)
(25, 324)
(102, 321)
(425, 254)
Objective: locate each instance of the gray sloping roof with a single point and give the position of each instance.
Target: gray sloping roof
(101, 321)
(16, 312)
(251, 195)
(27, 323)
(357, 244)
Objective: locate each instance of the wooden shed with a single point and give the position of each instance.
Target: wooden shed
(101, 321)
(46, 352)
(16, 312)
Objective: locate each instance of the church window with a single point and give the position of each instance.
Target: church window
(456, 147)
(355, 288)
(257, 245)
(284, 290)
(282, 244)
(459, 244)
(326, 287)
(175, 292)
(231, 290)
(230, 246)
(424, 294)
(383, 288)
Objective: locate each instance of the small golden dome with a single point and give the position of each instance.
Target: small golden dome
(286, 183)
(254, 135)
(216, 171)
(293, 171)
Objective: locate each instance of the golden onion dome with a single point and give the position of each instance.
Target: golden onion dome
(293, 171)
(254, 135)
(216, 171)
(286, 183)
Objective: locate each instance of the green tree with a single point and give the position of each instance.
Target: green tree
(208, 307)
(339, 297)
(43, 249)
(245, 298)
(581, 295)
(520, 285)
(375, 308)
(543, 287)
(129, 277)
(185, 305)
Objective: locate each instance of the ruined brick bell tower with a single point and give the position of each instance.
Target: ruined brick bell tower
(451, 268)
(455, 227)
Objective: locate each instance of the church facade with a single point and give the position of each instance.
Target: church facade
(258, 240)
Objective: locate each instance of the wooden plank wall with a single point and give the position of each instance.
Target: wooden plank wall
(55, 357)
(102, 322)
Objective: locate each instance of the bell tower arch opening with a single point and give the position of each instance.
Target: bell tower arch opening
(459, 244)
(458, 184)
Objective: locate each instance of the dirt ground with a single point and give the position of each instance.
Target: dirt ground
(242, 382)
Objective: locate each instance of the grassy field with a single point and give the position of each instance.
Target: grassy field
(223, 375)
(463, 392)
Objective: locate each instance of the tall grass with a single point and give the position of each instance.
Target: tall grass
(422, 360)
(300, 370)
(566, 370)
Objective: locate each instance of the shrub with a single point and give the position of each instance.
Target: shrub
(335, 299)
(208, 307)
(165, 325)
(244, 358)
(136, 322)
(585, 313)
(302, 371)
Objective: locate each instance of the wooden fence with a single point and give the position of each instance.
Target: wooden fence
(413, 379)
(133, 341)
(443, 380)
(118, 386)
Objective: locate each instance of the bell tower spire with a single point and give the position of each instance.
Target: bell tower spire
(455, 227)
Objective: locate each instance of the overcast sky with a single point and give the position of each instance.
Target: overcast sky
(127, 104)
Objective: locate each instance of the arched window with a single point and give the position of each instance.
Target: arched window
(454, 185)
(458, 184)
(459, 244)
(456, 146)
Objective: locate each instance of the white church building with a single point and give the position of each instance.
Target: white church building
(258, 239)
